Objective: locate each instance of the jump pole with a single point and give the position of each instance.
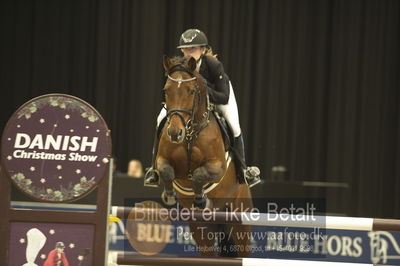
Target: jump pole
(125, 259)
(260, 219)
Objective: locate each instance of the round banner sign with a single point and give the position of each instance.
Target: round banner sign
(56, 148)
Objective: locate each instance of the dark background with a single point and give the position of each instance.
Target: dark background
(317, 82)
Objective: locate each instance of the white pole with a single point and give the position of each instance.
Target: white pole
(279, 262)
(307, 221)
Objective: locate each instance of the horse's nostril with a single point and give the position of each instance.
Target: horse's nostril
(180, 132)
(168, 132)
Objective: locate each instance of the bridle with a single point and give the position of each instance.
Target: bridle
(189, 125)
(192, 127)
(191, 112)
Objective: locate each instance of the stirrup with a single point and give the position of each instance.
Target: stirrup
(151, 178)
(252, 176)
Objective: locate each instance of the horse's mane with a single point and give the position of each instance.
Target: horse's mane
(180, 60)
(184, 62)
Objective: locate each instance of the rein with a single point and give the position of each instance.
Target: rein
(192, 128)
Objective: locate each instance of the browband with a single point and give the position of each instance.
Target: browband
(180, 68)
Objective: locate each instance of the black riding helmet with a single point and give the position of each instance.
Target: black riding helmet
(191, 38)
(60, 245)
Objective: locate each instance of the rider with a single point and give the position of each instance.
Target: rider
(194, 43)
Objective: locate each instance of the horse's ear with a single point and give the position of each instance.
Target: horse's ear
(192, 64)
(166, 63)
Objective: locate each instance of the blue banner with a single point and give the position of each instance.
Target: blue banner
(273, 242)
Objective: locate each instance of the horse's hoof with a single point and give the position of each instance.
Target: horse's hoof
(168, 200)
(201, 203)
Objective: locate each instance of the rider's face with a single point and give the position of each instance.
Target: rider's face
(194, 52)
(60, 250)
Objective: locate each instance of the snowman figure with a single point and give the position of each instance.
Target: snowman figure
(36, 240)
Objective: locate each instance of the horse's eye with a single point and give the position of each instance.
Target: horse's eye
(192, 91)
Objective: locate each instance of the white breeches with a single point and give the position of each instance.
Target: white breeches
(229, 112)
(161, 115)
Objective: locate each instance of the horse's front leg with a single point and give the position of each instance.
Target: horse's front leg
(167, 175)
(210, 172)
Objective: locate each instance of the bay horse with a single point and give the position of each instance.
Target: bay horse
(191, 157)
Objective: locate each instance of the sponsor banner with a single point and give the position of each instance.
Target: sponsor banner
(271, 242)
(173, 235)
(56, 148)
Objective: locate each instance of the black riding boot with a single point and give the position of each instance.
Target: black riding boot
(249, 175)
(152, 177)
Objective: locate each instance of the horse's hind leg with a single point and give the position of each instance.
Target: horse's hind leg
(167, 175)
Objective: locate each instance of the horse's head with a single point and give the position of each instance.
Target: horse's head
(182, 96)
